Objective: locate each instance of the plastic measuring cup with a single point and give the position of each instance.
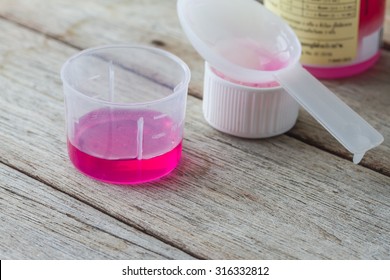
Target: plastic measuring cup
(125, 109)
(248, 43)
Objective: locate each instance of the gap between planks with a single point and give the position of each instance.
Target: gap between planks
(36, 31)
(88, 221)
(124, 221)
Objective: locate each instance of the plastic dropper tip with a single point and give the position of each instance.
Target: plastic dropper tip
(357, 158)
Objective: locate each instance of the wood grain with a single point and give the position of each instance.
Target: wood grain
(90, 23)
(230, 198)
(39, 222)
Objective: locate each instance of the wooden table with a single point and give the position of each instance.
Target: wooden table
(295, 196)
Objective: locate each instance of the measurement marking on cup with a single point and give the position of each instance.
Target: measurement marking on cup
(94, 77)
(111, 80)
(140, 136)
(160, 116)
(158, 136)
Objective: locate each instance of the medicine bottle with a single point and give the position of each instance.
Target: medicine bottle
(339, 38)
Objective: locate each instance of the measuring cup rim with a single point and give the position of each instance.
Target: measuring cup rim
(176, 90)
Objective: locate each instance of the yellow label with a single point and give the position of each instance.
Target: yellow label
(328, 29)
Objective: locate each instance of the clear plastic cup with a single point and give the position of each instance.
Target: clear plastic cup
(125, 110)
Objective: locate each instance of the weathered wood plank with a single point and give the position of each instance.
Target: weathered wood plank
(229, 198)
(90, 23)
(38, 222)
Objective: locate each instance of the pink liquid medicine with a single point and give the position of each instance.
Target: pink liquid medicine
(339, 38)
(125, 146)
(255, 57)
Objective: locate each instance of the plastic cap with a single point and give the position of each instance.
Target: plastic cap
(244, 111)
(246, 42)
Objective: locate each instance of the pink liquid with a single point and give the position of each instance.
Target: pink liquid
(271, 84)
(106, 146)
(372, 14)
(254, 57)
(343, 71)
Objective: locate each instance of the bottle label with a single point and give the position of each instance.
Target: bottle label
(328, 29)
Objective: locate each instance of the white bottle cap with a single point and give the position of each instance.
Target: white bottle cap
(250, 112)
(248, 43)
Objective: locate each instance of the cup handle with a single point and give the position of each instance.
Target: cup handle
(350, 129)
